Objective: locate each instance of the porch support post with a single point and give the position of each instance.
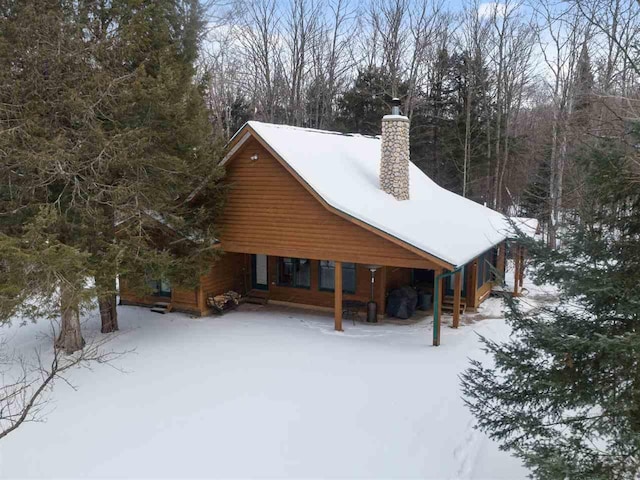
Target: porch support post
(516, 268)
(457, 291)
(381, 285)
(337, 288)
(437, 306)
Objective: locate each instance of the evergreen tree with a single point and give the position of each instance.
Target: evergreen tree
(440, 122)
(361, 108)
(441, 118)
(535, 198)
(105, 140)
(564, 394)
(583, 82)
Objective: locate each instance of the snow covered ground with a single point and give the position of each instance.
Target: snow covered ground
(264, 392)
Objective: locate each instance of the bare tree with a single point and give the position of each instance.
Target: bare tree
(616, 25)
(26, 383)
(427, 22)
(472, 39)
(515, 77)
(510, 55)
(389, 19)
(332, 59)
(294, 60)
(260, 38)
(559, 37)
(301, 26)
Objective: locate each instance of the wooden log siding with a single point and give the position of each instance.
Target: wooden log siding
(476, 295)
(183, 300)
(231, 272)
(269, 211)
(397, 277)
(228, 273)
(321, 298)
(472, 282)
(483, 292)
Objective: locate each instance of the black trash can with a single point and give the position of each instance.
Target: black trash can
(424, 301)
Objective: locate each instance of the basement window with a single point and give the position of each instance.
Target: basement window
(327, 276)
(160, 288)
(294, 272)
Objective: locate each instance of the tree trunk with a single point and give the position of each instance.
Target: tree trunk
(70, 338)
(499, 108)
(105, 278)
(503, 167)
(107, 303)
(467, 132)
(553, 193)
(496, 167)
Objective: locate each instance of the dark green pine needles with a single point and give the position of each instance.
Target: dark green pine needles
(105, 142)
(564, 391)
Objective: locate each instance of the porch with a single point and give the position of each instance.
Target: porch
(340, 287)
(330, 285)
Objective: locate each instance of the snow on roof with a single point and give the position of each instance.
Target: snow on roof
(343, 169)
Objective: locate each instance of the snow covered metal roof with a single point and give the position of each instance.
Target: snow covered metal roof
(343, 170)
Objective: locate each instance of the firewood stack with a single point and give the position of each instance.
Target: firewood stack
(224, 301)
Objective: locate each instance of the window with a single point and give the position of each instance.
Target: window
(486, 263)
(488, 266)
(294, 272)
(160, 288)
(493, 258)
(327, 276)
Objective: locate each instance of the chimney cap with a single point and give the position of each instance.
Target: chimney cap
(395, 106)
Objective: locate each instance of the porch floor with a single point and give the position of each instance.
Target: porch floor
(418, 316)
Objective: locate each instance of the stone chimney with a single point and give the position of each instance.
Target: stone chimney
(394, 160)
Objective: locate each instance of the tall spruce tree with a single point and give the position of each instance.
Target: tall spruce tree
(361, 108)
(564, 393)
(105, 144)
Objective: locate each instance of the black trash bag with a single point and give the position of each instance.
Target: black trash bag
(402, 302)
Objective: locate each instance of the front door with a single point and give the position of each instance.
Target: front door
(259, 276)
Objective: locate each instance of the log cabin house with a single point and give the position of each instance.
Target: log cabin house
(317, 218)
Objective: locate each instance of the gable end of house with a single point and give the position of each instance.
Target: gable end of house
(246, 133)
